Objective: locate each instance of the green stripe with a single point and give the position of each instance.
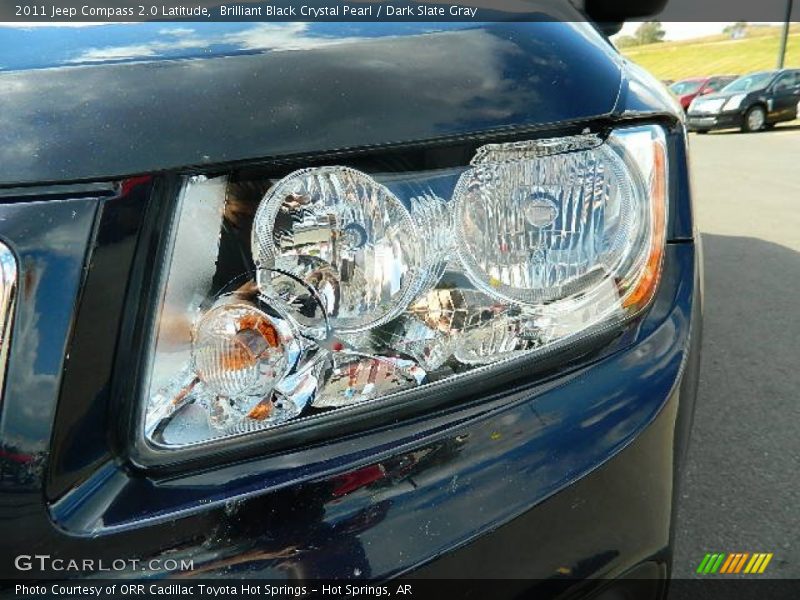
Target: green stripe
(703, 564)
(710, 564)
(718, 563)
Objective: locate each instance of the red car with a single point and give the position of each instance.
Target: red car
(688, 89)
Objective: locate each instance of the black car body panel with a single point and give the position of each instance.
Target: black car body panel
(582, 459)
(119, 119)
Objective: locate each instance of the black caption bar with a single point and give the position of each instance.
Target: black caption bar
(273, 10)
(411, 589)
(65, 11)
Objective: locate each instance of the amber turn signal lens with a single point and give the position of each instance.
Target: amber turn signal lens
(237, 351)
(645, 287)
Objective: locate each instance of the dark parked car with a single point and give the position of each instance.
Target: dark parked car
(403, 301)
(688, 89)
(753, 102)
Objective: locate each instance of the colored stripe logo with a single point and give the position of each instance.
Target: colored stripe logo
(737, 562)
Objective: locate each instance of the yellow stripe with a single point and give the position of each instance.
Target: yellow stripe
(765, 563)
(728, 561)
(758, 563)
(741, 562)
(751, 563)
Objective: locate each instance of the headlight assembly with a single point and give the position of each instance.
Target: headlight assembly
(708, 105)
(284, 300)
(734, 102)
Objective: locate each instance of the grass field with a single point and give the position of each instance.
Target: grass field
(717, 55)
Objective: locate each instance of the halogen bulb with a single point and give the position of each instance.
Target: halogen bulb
(539, 208)
(239, 350)
(348, 238)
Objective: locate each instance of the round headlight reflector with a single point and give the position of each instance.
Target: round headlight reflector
(346, 236)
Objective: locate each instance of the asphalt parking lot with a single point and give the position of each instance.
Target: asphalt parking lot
(741, 489)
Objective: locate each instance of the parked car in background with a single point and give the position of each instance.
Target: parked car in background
(688, 89)
(753, 102)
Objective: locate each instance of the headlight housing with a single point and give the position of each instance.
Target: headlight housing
(734, 102)
(331, 288)
(708, 105)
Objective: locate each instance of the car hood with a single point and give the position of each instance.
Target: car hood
(112, 100)
(726, 95)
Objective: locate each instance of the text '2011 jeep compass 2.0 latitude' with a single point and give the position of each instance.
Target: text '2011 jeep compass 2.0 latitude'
(327, 300)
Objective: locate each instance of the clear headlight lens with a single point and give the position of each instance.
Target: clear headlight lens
(734, 102)
(286, 299)
(709, 105)
(345, 236)
(531, 228)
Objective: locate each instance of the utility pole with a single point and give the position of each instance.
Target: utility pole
(785, 34)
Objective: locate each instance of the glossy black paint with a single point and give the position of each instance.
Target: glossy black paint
(83, 421)
(50, 240)
(564, 459)
(121, 119)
